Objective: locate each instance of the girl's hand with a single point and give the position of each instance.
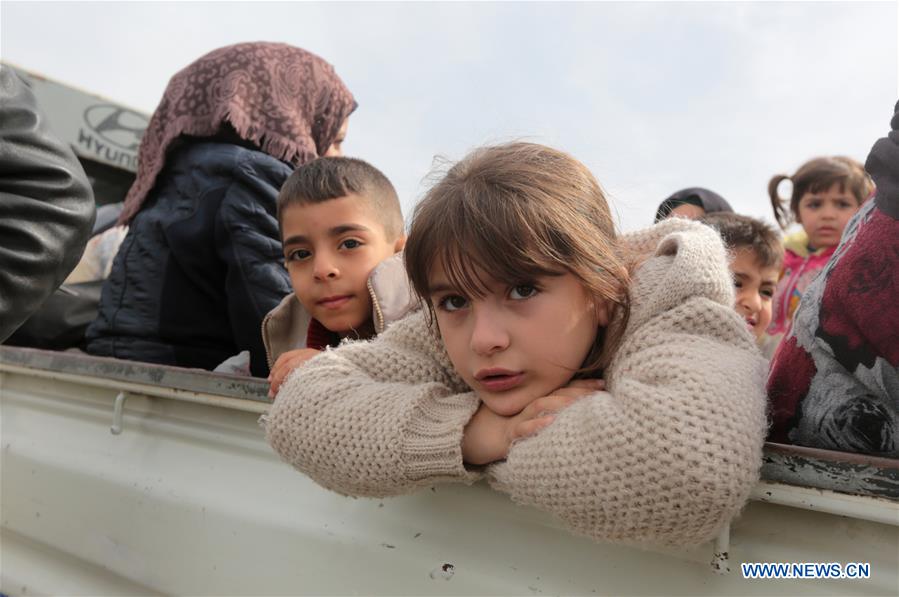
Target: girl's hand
(488, 436)
(286, 363)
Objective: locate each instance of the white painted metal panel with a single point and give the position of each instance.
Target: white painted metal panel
(190, 500)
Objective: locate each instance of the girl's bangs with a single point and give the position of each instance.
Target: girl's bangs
(473, 256)
(823, 184)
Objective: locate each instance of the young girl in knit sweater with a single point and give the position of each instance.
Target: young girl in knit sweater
(530, 296)
(827, 192)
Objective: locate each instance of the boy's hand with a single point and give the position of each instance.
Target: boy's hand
(286, 363)
(488, 436)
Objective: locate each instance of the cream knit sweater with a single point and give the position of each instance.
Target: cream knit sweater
(665, 456)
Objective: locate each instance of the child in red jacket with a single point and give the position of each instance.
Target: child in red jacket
(827, 192)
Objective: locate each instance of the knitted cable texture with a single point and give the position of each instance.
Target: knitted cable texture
(375, 418)
(665, 456)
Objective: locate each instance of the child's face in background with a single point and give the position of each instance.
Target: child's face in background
(330, 250)
(825, 214)
(687, 210)
(336, 148)
(754, 288)
(516, 344)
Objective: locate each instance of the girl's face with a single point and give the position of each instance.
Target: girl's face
(825, 214)
(518, 343)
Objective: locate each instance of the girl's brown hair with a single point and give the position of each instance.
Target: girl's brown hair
(516, 212)
(816, 176)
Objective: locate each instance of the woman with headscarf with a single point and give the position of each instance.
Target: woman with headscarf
(202, 262)
(692, 203)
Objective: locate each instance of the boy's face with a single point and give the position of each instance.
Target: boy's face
(755, 289)
(516, 344)
(330, 249)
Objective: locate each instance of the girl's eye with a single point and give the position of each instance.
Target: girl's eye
(452, 302)
(522, 292)
(299, 255)
(768, 293)
(844, 205)
(738, 284)
(813, 204)
(350, 243)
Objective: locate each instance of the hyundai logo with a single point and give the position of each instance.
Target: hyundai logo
(119, 126)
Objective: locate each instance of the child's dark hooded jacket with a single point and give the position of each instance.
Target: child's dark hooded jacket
(202, 262)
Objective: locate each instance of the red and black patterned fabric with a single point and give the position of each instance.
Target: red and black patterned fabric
(834, 381)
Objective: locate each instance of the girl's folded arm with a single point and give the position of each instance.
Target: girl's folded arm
(668, 455)
(670, 452)
(375, 418)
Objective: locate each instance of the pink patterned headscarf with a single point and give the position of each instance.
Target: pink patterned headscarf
(287, 101)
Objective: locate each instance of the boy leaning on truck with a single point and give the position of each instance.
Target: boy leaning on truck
(342, 233)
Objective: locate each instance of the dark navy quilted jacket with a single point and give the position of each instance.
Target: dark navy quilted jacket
(201, 264)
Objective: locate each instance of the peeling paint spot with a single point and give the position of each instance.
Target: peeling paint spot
(417, 535)
(444, 571)
(388, 546)
(720, 563)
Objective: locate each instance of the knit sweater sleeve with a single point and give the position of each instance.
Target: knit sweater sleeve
(375, 418)
(671, 450)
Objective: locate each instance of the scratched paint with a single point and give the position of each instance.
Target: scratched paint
(846, 473)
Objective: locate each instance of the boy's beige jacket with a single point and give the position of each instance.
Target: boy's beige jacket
(285, 326)
(666, 456)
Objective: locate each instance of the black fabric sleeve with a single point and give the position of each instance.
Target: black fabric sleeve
(883, 166)
(248, 242)
(46, 206)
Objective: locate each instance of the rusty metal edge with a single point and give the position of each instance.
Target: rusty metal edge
(857, 474)
(195, 380)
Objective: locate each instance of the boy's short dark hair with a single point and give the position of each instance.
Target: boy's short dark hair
(743, 232)
(329, 178)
